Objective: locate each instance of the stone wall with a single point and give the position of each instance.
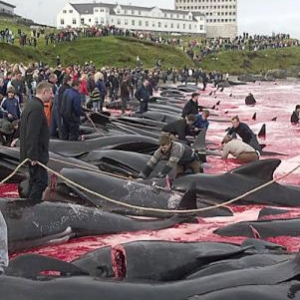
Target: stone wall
(224, 30)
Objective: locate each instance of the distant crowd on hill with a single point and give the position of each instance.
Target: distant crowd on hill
(198, 49)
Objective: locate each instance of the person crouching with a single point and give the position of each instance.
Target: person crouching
(243, 152)
(177, 155)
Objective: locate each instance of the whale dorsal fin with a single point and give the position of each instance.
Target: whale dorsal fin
(200, 140)
(261, 169)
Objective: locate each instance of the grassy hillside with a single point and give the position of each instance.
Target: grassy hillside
(253, 62)
(13, 26)
(120, 51)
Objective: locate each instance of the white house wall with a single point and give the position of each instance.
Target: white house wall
(6, 9)
(131, 18)
(68, 14)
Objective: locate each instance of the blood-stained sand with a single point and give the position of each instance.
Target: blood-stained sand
(274, 100)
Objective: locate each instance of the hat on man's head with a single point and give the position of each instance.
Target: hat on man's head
(195, 95)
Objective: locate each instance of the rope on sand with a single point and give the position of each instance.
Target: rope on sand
(139, 208)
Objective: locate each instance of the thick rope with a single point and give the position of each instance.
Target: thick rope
(15, 171)
(148, 208)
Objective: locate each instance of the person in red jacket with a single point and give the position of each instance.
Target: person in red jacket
(83, 90)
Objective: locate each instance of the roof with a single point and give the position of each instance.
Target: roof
(87, 8)
(7, 4)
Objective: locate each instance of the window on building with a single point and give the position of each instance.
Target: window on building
(102, 10)
(172, 25)
(82, 21)
(166, 25)
(62, 21)
(74, 21)
(71, 11)
(102, 20)
(96, 21)
(118, 11)
(125, 11)
(125, 22)
(183, 26)
(201, 27)
(140, 13)
(147, 23)
(90, 20)
(178, 25)
(96, 9)
(159, 24)
(153, 24)
(119, 22)
(140, 23)
(132, 22)
(190, 27)
(64, 11)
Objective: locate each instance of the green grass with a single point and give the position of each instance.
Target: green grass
(122, 52)
(13, 26)
(253, 62)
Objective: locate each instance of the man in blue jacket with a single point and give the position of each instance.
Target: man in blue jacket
(71, 111)
(10, 106)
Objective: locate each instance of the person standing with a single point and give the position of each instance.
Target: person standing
(125, 93)
(34, 140)
(143, 94)
(71, 111)
(191, 107)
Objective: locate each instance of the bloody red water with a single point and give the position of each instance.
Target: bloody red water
(272, 101)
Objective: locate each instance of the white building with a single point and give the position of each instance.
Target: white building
(131, 18)
(6, 8)
(221, 15)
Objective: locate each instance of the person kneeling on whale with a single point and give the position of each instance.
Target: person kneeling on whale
(178, 156)
(240, 150)
(180, 128)
(244, 131)
(201, 122)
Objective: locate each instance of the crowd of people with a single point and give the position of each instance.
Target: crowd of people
(59, 95)
(197, 49)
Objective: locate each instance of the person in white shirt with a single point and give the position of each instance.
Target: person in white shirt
(238, 149)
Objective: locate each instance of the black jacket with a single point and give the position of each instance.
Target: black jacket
(61, 91)
(190, 108)
(178, 127)
(244, 131)
(144, 93)
(34, 132)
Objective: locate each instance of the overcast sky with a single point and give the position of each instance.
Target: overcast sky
(254, 16)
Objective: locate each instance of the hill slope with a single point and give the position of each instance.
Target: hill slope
(253, 62)
(113, 51)
(120, 51)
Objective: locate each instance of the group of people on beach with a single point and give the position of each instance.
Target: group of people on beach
(61, 94)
